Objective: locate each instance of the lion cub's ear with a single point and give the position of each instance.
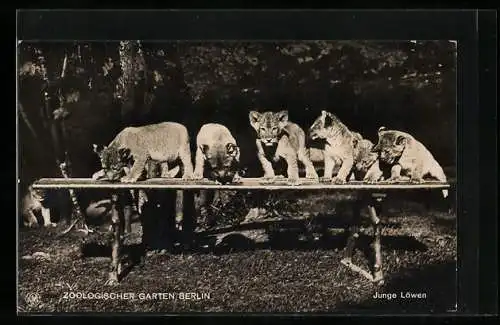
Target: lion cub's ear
(329, 119)
(382, 129)
(232, 150)
(400, 140)
(282, 118)
(254, 119)
(96, 149)
(357, 138)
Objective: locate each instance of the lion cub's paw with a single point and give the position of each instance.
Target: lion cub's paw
(312, 175)
(32, 225)
(269, 178)
(236, 178)
(187, 176)
(397, 179)
(370, 181)
(416, 180)
(197, 175)
(127, 179)
(338, 180)
(293, 181)
(98, 175)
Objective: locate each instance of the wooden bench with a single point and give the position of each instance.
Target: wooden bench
(372, 196)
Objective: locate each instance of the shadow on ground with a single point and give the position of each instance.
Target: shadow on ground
(293, 235)
(289, 235)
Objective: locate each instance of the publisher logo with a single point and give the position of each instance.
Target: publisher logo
(32, 299)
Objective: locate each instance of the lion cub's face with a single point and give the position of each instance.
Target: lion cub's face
(269, 125)
(365, 156)
(35, 198)
(37, 194)
(390, 146)
(321, 126)
(222, 160)
(114, 162)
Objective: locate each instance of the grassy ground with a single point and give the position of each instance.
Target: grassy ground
(287, 266)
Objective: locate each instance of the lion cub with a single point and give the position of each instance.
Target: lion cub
(217, 150)
(32, 203)
(217, 158)
(342, 147)
(163, 142)
(277, 138)
(365, 161)
(408, 158)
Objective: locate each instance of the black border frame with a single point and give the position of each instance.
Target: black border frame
(477, 251)
(488, 46)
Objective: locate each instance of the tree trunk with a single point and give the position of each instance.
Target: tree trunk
(128, 89)
(24, 116)
(59, 141)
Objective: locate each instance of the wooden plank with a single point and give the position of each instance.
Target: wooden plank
(244, 184)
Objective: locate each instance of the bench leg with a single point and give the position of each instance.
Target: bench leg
(188, 219)
(377, 267)
(353, 232)
(351, 243)
(373, 207)
(116, 246)
(127, 214)
(179, 214)
(166, 219)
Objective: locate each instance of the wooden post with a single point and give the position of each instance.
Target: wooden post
(353, 231)
(377, 199)
(179, 213)
(188, 218)
(76, 205)
(54, 130)
(116, 246)
(168, 233)
(351, 242)
(127, 215)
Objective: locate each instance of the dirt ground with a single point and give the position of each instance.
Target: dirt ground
(292, 265)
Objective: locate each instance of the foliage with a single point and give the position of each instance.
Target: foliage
(215, 66)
